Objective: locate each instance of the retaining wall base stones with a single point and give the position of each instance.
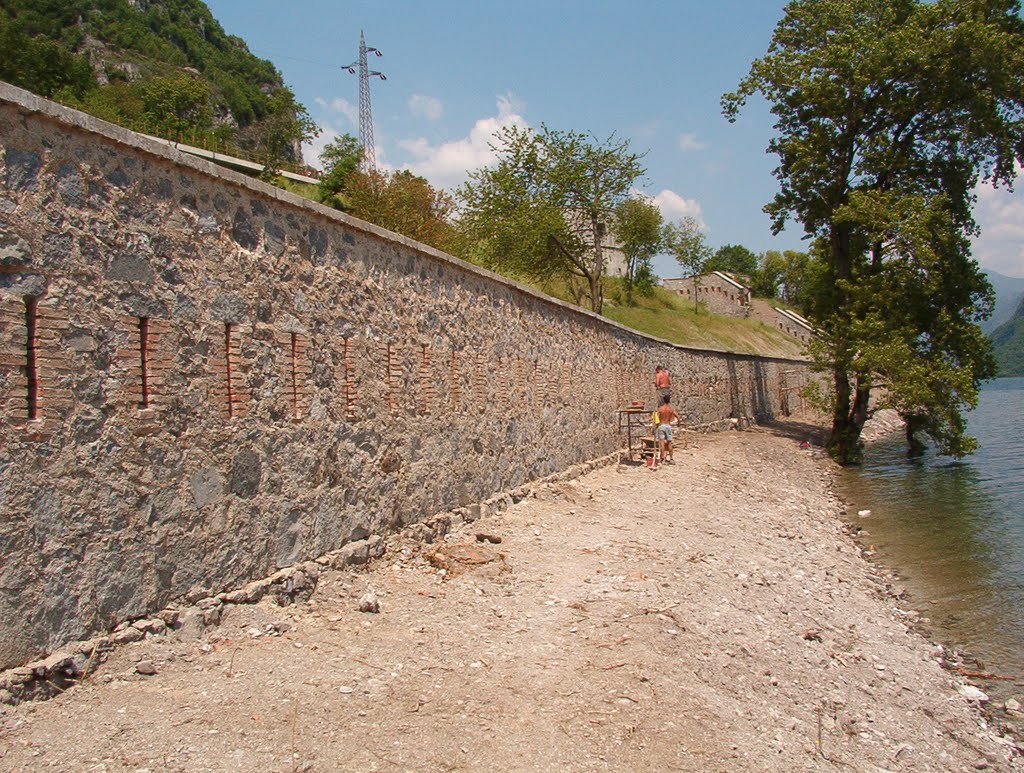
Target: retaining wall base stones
(51, 676)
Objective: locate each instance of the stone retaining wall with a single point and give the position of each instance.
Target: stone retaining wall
(204, 379)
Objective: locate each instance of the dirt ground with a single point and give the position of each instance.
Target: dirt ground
(711, 615)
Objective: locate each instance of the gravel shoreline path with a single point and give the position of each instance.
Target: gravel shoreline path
(711, 615)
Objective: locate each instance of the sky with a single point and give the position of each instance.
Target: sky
(650, 72)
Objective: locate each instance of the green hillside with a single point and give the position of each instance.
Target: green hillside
(163, 67)
(1008, 344)
(664, 314)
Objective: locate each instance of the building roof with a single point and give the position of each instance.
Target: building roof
(731, 280)
(721, 274)
(792, 315)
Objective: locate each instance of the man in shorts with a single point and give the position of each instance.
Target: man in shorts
(667, 416)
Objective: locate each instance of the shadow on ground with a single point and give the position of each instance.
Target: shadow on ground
(798, 431)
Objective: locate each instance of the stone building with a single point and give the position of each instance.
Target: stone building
(720, 292)
(611, 250)
(793, 324)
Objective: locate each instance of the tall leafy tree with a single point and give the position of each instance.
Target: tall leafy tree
(686, 243)
(771, 265)
(38, 64)
(733, 258)
(175, 105)
(786, 275)
(340, 158)
(638, 231)
(544, 208)
(797, 281)
(888, 113)
(404, 203)
(280, 135)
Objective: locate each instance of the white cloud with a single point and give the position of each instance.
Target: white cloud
(447, 164)
(1000, 214)
(312, 149)
(425, 107)
(688, 143)
(341, 107)
(343, 119)
(674, 207)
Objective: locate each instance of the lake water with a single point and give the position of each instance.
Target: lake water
(954, 530)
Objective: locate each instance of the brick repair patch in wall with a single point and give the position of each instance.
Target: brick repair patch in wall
(31, 360)
(427, 390)
(454, 387)
(230, 398)
(480, 379)
(523, 381)
(294, 372)
(300, 372)
(145, 360)
(392, 378)
(12, 361)
(229, 371)
(145, 345)
(349, 378)
(501, 381)
(33, 365)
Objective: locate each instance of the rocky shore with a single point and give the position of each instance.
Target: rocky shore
(715, 614)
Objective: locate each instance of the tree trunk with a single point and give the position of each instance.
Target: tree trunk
(851, 406)
(597, 267)
(915, 424)
(596, 295)
(851, 412)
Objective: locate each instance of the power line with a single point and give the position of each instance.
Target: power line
(264, 52)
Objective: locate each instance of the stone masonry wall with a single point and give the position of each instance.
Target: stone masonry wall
(204, 379)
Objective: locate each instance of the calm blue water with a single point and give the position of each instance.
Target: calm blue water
(954, 530)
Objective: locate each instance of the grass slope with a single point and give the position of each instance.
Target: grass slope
(666, 315)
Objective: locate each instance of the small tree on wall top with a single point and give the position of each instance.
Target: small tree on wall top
(638, 230)
(542, 211)
(685, 242)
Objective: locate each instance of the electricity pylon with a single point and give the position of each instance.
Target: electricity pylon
(365, 113)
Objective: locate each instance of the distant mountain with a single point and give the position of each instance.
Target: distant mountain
(1008, 344)
(1009, 292)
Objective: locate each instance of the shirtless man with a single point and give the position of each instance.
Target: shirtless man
(662, 384)
(667, 416)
